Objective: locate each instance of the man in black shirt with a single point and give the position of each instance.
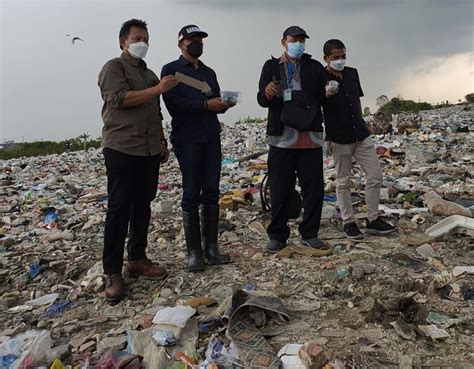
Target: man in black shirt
(295, 148)
(193, 106)
(347, 137)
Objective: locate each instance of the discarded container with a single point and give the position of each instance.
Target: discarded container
(457, 271)
(232, 97)
(227, 202)
(288, 355)
(449, 224)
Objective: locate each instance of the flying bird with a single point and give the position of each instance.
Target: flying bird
(76, 39)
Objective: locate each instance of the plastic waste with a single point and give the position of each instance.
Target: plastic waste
(178, 315)
(35, 270)
(232, 97)
(217, 353)
(110, 359)
(51, 219)
(165, 337)
(43, 300)
(26, 349)
(6, 361)
(58, 309)
(57, 364)
(450, 223)
(332, 86)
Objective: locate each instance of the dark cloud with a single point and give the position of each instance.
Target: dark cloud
(52, 86)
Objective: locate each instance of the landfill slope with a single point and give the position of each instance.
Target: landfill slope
(370, 300)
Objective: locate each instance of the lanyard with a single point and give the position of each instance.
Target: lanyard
(291, 71)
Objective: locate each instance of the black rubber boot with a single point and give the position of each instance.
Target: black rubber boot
(192, 235)
(209, 227)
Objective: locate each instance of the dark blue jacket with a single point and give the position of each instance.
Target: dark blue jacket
(191, 122)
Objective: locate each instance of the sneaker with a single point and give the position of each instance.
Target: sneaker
(315, 243)
(378, 226)
(352, 231)
(273, 246)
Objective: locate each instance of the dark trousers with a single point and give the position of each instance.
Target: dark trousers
(200, 165)
(132, 182)
(284, 166)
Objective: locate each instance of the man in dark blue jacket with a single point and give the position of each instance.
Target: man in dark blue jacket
(348, 138)
(193, 106)
(295, 138)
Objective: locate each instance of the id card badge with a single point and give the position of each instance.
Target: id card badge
(287, 95)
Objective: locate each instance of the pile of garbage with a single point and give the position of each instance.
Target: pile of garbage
(403, 300)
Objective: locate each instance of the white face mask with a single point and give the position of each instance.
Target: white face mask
(337, 64)
(138, 49)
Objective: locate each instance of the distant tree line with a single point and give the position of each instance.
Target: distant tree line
(398, 105)
(41, 148)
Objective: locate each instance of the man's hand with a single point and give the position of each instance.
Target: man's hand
(332, 87)
(271, 90)
(165, 154)
(217, 105)
(166, 84)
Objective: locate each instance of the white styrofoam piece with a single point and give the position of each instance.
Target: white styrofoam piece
(450, 223)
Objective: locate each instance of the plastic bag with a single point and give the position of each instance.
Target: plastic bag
(35, 270)
(178, 315)
(165, 337)
(58, 309)
(232, 97)
(43, 300)
(217, 353)
(51, 219)
(28, 348)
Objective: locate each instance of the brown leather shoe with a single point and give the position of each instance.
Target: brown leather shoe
(114, 288)
(146, 268)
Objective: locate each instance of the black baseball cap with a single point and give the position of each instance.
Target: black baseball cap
(189, 31)
(295, 31)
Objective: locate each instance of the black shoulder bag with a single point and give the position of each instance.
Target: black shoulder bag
(300, 112)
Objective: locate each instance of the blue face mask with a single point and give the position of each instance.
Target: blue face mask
(295, 49)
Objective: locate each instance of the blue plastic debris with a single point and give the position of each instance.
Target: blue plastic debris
(35, 270)
(249, 287)
(330, 198)
(7, 360)
(50, 219)
(165, 337)
(58, 309)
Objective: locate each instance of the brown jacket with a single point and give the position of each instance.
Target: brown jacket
(136, 130)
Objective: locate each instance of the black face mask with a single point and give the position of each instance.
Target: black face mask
(195, 49)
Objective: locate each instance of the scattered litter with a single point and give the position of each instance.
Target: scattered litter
(178, 315)
(164, 337)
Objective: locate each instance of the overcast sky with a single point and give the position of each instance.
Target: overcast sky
(419, 49)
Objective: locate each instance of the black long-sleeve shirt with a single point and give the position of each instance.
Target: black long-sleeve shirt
(191, 122)
(343, 121)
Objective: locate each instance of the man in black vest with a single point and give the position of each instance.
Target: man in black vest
(292, 88)
(347, 138)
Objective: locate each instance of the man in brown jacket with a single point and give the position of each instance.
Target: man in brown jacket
(134, 145)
